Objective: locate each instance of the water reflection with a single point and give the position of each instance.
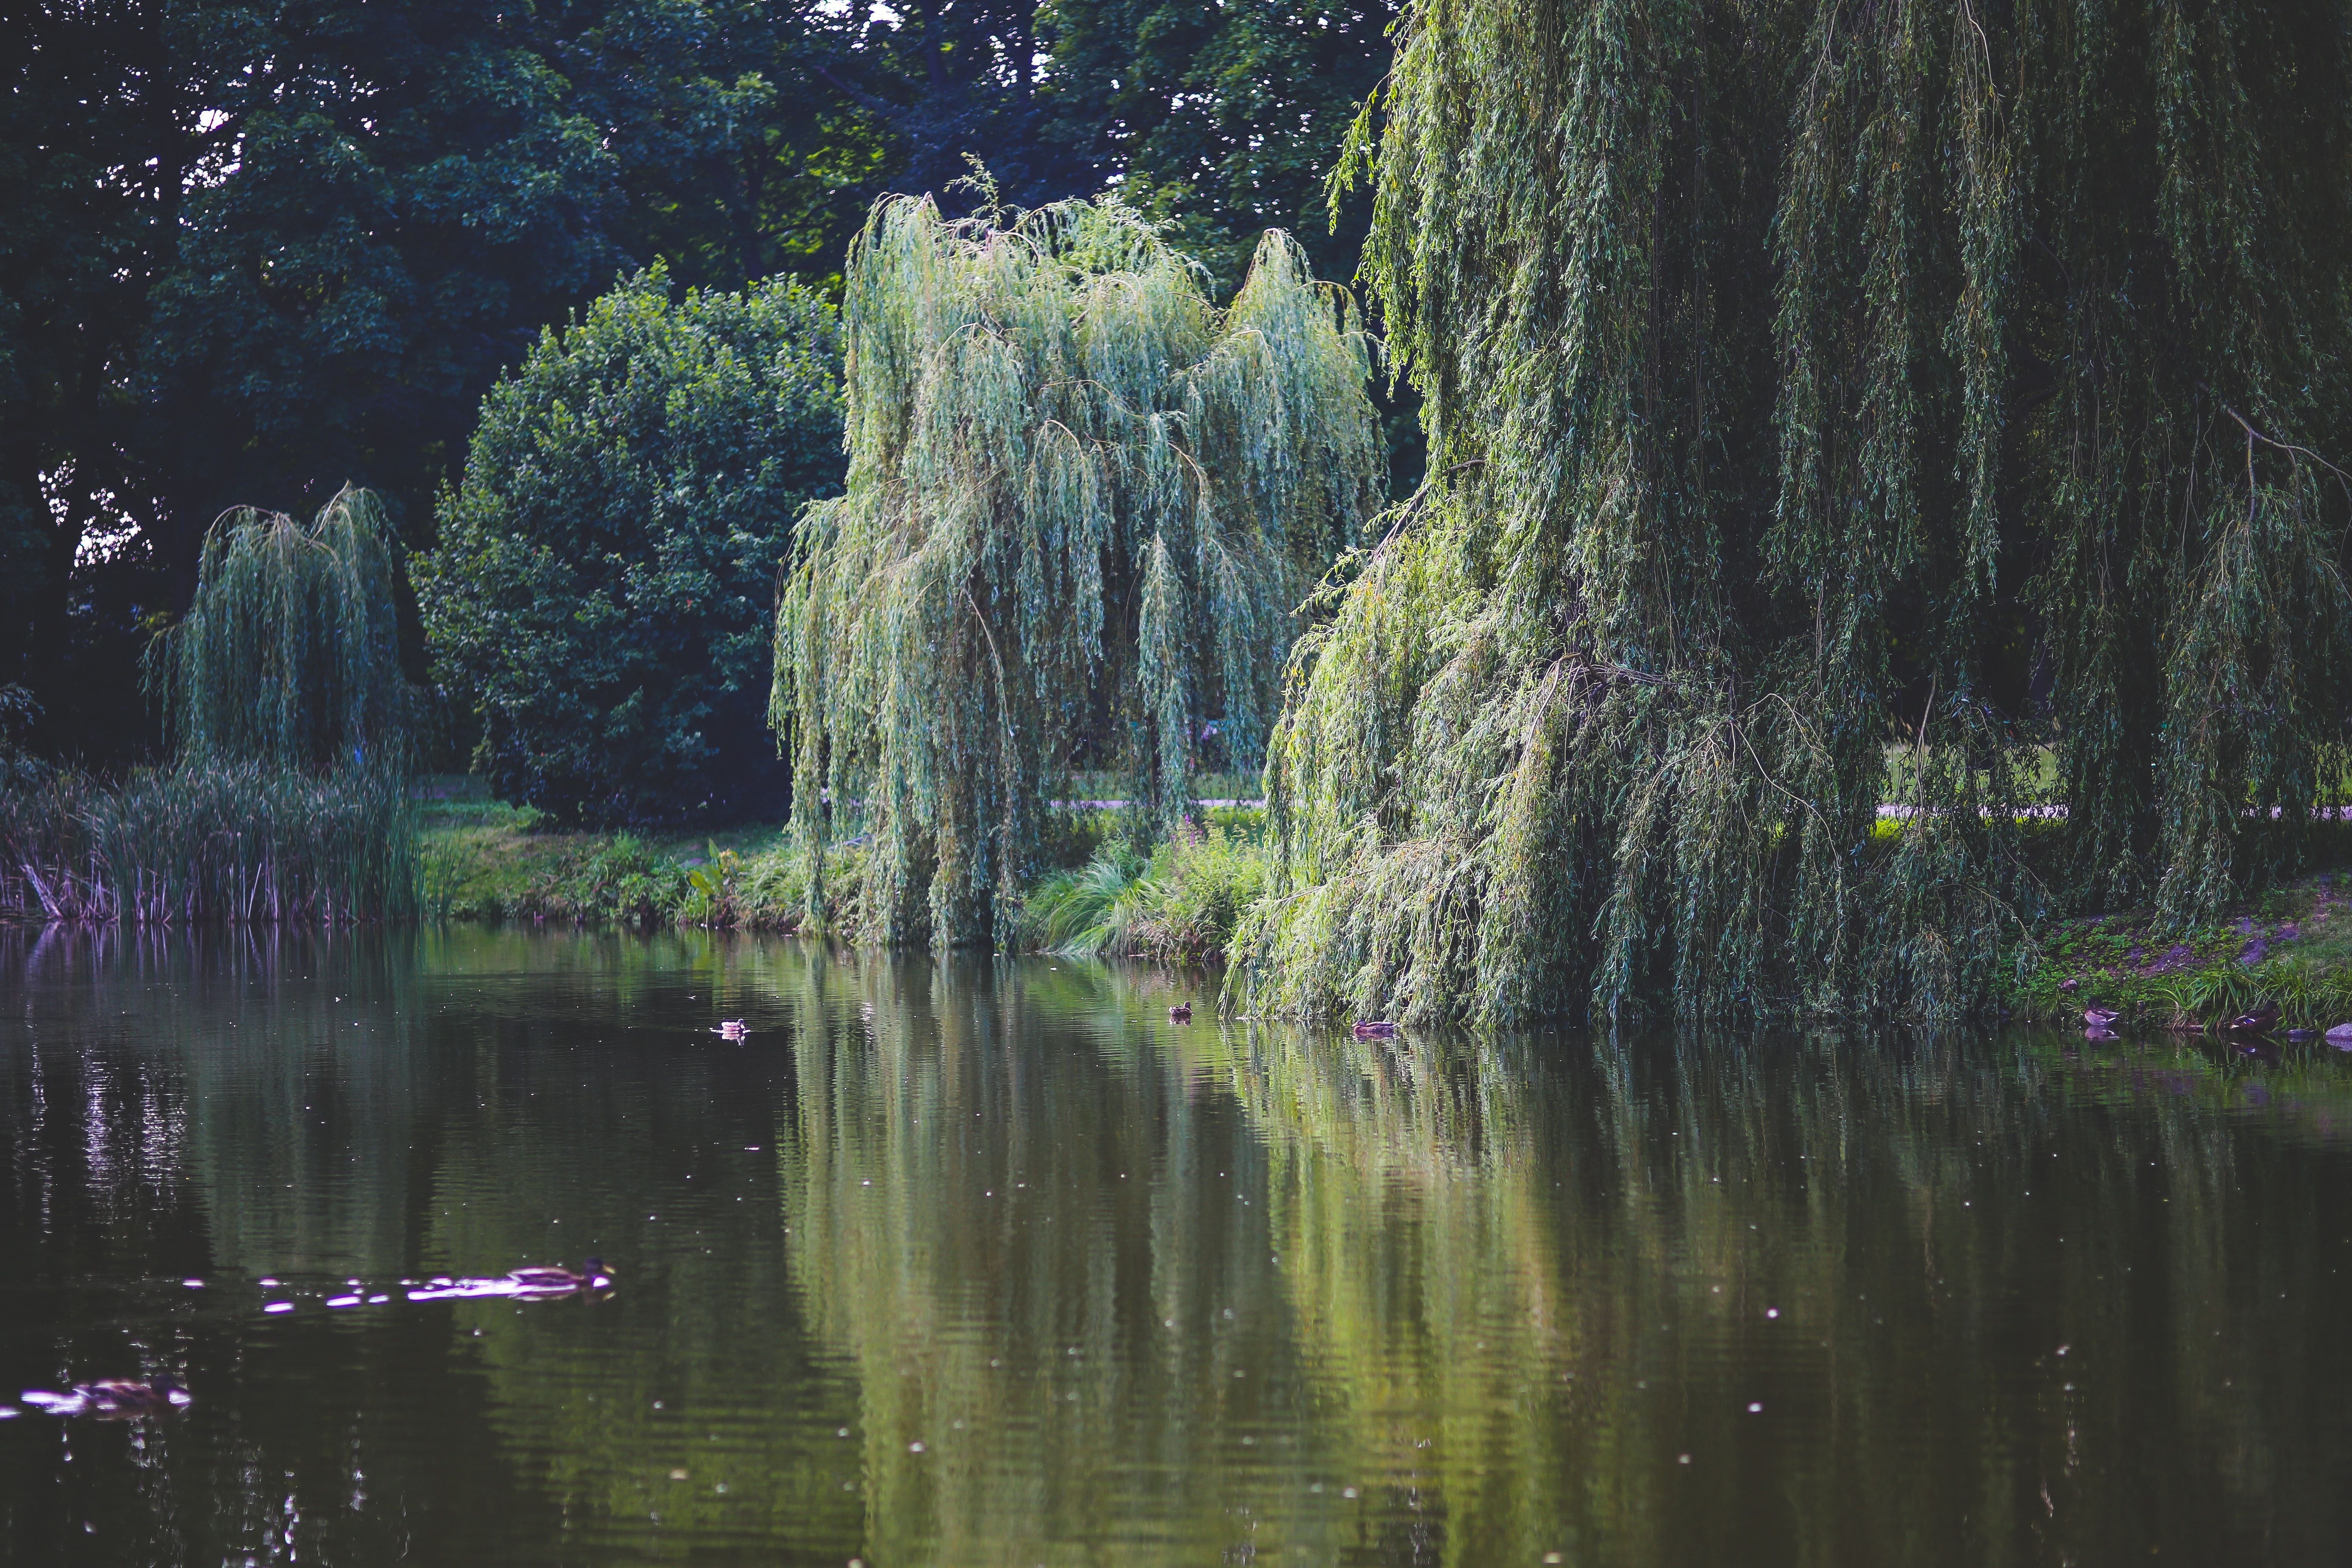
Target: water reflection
(982, 1262)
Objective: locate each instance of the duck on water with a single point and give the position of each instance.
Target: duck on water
(538, 1282)
(109, 1399)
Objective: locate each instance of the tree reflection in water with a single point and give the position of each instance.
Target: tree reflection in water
(1080, 1284)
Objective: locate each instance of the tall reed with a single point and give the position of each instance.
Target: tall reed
(211, 841)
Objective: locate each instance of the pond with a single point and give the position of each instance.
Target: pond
(991, 1262)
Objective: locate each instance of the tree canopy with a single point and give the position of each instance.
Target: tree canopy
(253, 250)
(289, 657)
(1223, 118)
(599, 603)
(1082, 502)
(1828, 406)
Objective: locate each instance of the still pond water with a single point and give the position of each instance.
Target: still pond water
(990, 1263)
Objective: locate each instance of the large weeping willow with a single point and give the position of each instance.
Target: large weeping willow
(1082, 505)
(289, 653)
(1883, 490)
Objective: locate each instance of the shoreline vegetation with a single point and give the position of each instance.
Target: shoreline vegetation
(227, 843)
(486, 860)
(209, 842)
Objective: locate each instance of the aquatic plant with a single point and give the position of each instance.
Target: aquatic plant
(1802, 382)
(210, 841)
(1082, 503)
(1181, 903)
(283, 692)
(289, 652)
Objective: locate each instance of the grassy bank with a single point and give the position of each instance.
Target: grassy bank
(1179, 903)
(2290, 948)
(486, 860)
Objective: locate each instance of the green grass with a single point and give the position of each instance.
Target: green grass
(487, 860)
(1179, 903)
(2291, 947)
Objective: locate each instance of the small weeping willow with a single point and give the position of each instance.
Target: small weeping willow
(1082, 504)
(1845, 419)
(289, 655)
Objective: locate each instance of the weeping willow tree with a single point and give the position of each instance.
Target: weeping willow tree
(1082, 504)
(1845, 419)
(289, 655)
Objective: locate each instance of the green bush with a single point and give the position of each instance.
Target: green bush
(1091, 911)
(1181, 904)
(599, 601)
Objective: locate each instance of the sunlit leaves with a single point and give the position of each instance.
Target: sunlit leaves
(1082, 502)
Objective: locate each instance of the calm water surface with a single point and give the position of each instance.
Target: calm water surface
(990, 1263)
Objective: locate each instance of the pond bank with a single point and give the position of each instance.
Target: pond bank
(2290, 948)
(486, 860)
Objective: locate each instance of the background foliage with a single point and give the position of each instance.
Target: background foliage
(251, 250)
(289, 657)
(600, 601)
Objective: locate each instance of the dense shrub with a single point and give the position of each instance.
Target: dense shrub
(1179, 903)
(599, 602)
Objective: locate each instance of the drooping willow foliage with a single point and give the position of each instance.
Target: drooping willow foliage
(289, 652)
(1883, 490)
(1082, 505)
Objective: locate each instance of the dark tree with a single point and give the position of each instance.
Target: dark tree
(252, 250)
(600, 601)
(1226, 117)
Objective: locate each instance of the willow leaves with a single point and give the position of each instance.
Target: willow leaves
(1082, 502)
(289, 653)
(1884, 492)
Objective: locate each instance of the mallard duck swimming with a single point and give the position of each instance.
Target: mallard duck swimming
(2255, 1022)
(2101, 1018)
(732, 1029)
(1181, 1014)
(1374, 1028)
(557, 1280)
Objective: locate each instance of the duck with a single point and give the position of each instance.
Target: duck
(1181, 1014)
(2255, 1022)
(111, 1397)
(557, 1280)
(732, 1029)
(1374, 1028)
(2101, 1018)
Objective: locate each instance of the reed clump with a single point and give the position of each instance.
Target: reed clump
(210, 841)
(293, 722)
